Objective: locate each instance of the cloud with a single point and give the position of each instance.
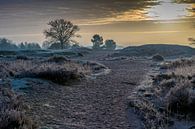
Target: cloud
(75, 9)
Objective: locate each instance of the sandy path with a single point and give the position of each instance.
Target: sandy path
(91, 104)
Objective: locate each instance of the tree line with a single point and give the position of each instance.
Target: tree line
(60, 35)
(6, 44)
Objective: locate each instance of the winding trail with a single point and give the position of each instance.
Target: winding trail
(91, 104)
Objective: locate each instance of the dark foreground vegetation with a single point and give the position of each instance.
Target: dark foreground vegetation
(163, 99)
(55, 69)
(13, 110)
(168, 98)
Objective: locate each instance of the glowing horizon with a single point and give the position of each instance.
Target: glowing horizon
(126, 21)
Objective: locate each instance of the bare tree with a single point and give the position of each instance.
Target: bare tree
(62, 32)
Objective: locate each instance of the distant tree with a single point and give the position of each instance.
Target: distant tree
(110, 44)
(97, 41)
(192, 40)
(61, 31)
(29, 46)
(6, 44)
(22, 46)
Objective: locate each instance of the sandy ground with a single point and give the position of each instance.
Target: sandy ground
(99, 103)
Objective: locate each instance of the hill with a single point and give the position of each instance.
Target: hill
(162, 49)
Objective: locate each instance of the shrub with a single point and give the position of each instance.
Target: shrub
(178, 63)
(5, 72)
(59, 76)
(57, 59)
(22, 58)
(56, 72)
(58, 46)
(12, 113)
(158, 58)
(181, 98)
(177, 99)
(170, 95)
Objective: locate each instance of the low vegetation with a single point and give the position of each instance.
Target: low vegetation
(8, 45)
(57, 59)
(158, 58)
(12, 111)
(178, 63)
(56, 69)
(22, 57)
(169, 95)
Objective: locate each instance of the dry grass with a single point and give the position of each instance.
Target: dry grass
(180, 98)
(185, 71)
(178, 63)
(54, 71)
(57, 59)
(12, 111)
(169, 95)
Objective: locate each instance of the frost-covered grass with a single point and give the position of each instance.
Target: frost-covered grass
(12, 111)
(169, 95)
(54, 69)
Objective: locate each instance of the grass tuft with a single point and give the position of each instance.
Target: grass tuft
(12, 111)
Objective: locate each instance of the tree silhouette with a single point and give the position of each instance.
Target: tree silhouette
(97, 41)
(29, 46)
(110, 44)
(192, 40)
(61, 31)
(6, 44)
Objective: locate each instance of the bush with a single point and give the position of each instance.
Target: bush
(177, 100)
(57, 59)
(59, 76)
(178, 63)
(158, 58)
(22, 58)
(57, 72)
(5, 72)
(181, 99)
(58, 46)
(12, 113)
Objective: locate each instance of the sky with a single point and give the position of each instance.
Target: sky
(128, 22)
